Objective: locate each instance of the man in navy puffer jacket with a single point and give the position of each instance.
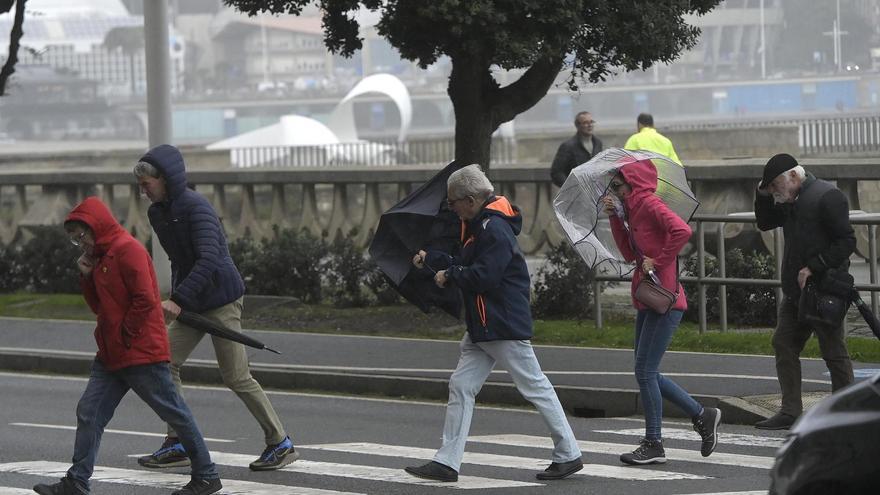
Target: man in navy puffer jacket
(204, 280)
(492, 276)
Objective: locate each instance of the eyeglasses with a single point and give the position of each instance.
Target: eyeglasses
(77, 240)
(614, 186)
(451, 202)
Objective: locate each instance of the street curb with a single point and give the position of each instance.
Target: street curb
(578, 401)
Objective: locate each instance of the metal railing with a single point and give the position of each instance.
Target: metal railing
(365, 153)
(870, 220)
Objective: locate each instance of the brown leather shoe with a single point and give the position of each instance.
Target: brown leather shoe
(780, 421)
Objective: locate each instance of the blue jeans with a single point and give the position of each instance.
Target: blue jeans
(653, 334)
(474, 365)
(152, 383)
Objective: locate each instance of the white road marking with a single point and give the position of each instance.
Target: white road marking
(723, 438)
(8, 490)
(741, 460)
(156, 479)
(505, 461)
(372, 473)
(118, 432)
(723, 376)
(757, 492)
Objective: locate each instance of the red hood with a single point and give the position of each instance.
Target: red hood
(642, 178)
(98, 217)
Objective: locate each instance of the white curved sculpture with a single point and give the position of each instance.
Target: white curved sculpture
(342, 118)
(276, 139)
(274, 142)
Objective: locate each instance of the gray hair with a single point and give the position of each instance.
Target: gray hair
(145, 169)
(800, 172)
(469, 181)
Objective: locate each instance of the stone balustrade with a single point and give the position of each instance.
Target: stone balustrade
(334, 201)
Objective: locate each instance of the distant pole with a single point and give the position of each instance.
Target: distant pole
(265, 50)
(839, 53)
(763, 46)
(158, 60)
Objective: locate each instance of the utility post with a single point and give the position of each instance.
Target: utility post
(158, 61)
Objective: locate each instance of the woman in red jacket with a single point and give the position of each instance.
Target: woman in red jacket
(119, 285)
(648, 233)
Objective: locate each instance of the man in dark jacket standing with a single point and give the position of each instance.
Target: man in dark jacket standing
(119, 285)
(204, 280)
(814, 216)
(575, 150)
(492, 276)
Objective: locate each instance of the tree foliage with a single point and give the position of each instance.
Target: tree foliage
(591, 38)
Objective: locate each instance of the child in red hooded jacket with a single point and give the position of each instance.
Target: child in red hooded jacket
(119, 285)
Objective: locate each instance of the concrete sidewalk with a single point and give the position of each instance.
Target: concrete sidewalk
(590, 382)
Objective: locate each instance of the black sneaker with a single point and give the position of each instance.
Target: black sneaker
(276, 456)
(170, 454)
(67, 486)
(780, 421)
(433, 471)
(559, 470)
(706, 424)
(648, 452)
(200, 486)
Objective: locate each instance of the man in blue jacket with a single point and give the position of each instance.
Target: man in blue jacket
(492, 276)
(204, 280)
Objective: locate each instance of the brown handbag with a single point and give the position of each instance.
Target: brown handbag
(654, 296)
(649, 291)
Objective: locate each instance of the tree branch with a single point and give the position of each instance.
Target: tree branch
(525, 92)
(14, 40)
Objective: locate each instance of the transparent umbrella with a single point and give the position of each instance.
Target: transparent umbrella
(578, 205)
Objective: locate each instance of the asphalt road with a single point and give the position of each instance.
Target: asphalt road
(699, 373)
(360, 445)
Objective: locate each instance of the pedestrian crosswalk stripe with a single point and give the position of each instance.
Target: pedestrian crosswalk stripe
(372, 473)
(8, 490)
(740, 460)
(757, 492)
(723, 437)
(504, 461)
(110, 430)
(160, 479)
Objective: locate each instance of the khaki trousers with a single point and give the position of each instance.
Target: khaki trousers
(232, 359)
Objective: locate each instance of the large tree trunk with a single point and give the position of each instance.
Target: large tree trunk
(481, 105)
(14, 39)
(469, 88)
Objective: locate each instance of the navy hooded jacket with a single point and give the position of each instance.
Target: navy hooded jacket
(491, 273)
(203, 275)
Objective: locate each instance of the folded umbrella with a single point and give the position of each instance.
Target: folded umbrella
(866, 313)
(207, 325)
(422, 220)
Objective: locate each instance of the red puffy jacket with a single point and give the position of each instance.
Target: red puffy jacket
(657, 231)
(123, 292)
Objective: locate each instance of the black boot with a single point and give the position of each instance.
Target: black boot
(780, 421)
(433, 471)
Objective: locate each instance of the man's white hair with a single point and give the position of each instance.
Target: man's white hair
(800, 172)
(469, 181)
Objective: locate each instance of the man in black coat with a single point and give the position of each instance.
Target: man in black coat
(575, 150)
(814, 216)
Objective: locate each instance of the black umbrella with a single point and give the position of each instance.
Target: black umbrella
(207, 325)
(867, 314)
(422, 220)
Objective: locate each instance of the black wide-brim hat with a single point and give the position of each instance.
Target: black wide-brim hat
(781, 163)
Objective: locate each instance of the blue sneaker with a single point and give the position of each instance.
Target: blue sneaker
(276, 456)
(170, 454)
